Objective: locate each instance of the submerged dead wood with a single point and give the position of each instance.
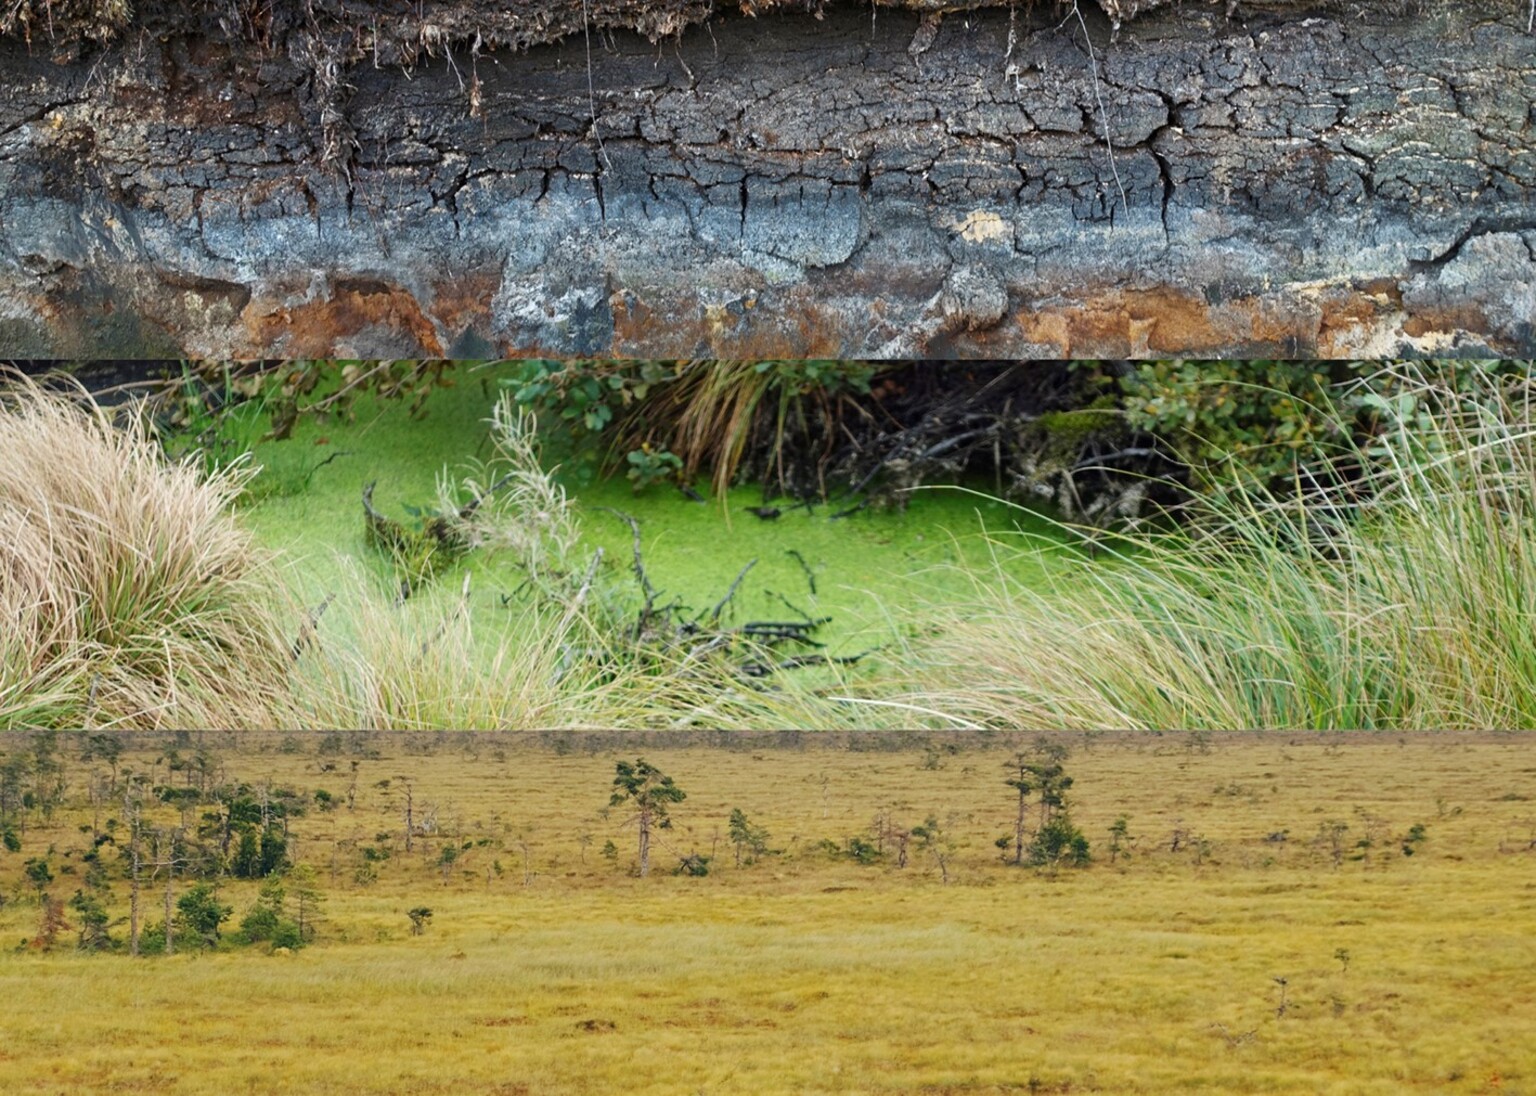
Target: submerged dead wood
(674, 633)
(680, 179)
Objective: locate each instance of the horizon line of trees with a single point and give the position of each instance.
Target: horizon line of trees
(227, 829)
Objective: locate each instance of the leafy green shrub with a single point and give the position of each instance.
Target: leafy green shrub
(93, 921)
(1262, 416)
(694, 864)
(331, 387)
(750, 840)
(259, 853)
(862, 851)
(1264, 423)
(38, 874)
(585, 396)
(268, 921)
(286, 934)
(152, 939)
(263, 925)
(648, 466)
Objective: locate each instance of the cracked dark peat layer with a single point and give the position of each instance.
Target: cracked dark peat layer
(677, 179)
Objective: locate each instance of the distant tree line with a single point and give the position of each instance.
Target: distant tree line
(223, 830)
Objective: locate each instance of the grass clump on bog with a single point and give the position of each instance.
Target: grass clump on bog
(1392, 586)
(131, 597)
(134, 597)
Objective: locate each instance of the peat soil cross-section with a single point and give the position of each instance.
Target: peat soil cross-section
(685, 178)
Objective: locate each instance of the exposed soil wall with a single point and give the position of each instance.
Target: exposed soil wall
(392, 179)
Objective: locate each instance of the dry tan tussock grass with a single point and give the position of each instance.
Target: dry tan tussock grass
(422, 666)
(131, 596)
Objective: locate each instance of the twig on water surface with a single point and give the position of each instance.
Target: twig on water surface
(810, 575)
(307, 631)
(729, 594)
(640, 575)
(458, 611)
(799, 612)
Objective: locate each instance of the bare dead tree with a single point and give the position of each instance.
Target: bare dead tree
(132, 808)
(167, 861)
(410, 808)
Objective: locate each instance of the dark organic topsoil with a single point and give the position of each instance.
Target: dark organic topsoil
(399, 31)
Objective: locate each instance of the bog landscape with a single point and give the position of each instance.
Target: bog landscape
(443, 914)
(768, 727)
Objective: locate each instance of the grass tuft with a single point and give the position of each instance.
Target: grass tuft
(1400, 597)
(131, 597)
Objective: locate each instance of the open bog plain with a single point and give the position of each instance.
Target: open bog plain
(1276, 913)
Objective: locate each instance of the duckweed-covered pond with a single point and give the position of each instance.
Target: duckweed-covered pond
(872, 569)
